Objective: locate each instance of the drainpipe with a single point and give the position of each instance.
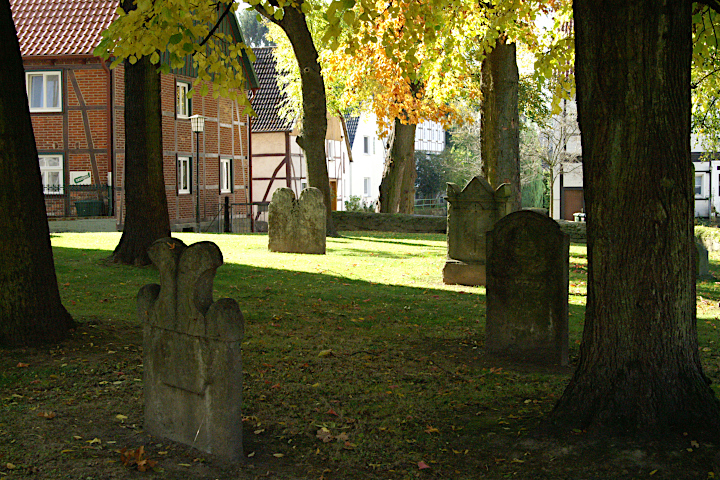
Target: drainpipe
(110, 150)
(250, 175)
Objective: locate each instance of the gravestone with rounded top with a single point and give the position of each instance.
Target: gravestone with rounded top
(297, 225)
(192, 370)
(472, 212)
(527, 289)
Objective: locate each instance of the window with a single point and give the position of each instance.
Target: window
(51, 171)
(366, 186)
(699, 191)
(366, 144)
(183, 104)
(184, 175)
(226, 175)
(43, 91)
(373, 145)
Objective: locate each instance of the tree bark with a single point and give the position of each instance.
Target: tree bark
(146, 218)
(314, 128)
(397, 188)
(500, 123)
(639, 371)
(31, 312)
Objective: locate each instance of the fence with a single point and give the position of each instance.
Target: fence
(240, 218)
(431, 206)
(78, 200)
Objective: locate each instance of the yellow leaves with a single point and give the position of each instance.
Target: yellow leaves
(136, 458)
(47, 415)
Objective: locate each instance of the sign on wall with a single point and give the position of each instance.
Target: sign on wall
(80, 178)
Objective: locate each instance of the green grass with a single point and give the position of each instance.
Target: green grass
(406, 379)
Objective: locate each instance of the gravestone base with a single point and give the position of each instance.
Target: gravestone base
(456, 272)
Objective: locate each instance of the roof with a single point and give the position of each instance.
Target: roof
(352, 122)
(74, 27)
(61, 27)
(267, 100)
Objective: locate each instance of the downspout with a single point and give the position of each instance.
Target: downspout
(111, 153)
(250, 176)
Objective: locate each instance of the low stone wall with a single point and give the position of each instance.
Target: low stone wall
(396, 222)
(576, 230)
(389, 222)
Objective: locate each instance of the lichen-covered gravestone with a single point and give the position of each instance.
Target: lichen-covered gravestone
(297, 225)
(192, 370)
(527, 289)
(472, 212)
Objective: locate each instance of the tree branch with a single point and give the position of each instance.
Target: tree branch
(217, 24)
(714, 4)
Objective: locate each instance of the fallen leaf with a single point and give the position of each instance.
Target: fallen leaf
(694, 444)
(48, 415)
(10, 466)
(331, 412)
(121, 417)
(343, 437)
(23, 365)
(430, 429)
(251, 454)
(423, 465)
(324, 435)
(95, 440)
(325, 353)
(278, 455)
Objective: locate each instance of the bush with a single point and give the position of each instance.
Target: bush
(356, 204)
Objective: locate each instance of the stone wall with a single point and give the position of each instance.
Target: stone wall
(389, 222)
(395, 222)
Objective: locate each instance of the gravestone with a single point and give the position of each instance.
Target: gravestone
(527, 289)
(472, 212)
(297, 225)
(703, 261)
(192, 370)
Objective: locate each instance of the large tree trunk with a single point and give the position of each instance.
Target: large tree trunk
(30, 309)
(500, 123)
(146, 218)
(314, 127)
(639, 370)
(397, 188)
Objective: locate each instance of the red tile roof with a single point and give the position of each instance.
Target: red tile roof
(61, 27)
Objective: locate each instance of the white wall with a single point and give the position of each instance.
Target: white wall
(366, 165)
(571, 177)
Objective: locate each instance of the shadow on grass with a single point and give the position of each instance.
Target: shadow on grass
(393, 242)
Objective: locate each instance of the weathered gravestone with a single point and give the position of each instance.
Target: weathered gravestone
(472, 212)
(297, 226)
(527, 289)
(703, 261)
(192, 370)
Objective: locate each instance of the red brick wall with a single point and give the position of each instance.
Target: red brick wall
(66, 132)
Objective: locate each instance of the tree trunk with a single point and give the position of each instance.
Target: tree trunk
(314, 128)
(500, 123)
(146, 218)
(639, 371)
(397, 188)
(31, 312)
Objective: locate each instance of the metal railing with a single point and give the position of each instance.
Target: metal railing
(240, 218)
(431, 206)
(78, 200)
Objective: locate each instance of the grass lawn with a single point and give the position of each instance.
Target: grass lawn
(359, 364)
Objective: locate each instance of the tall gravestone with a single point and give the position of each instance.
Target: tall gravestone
(297, 225)
(527, 289)
(703, 261)
(472, 212)
(192, 370)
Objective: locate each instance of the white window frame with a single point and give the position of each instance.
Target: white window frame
(700, 179)
(366, 186)
(182, 109)
(366, 145)
(44, 76)
(226, 175)
(184, 181)
(47, 170)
